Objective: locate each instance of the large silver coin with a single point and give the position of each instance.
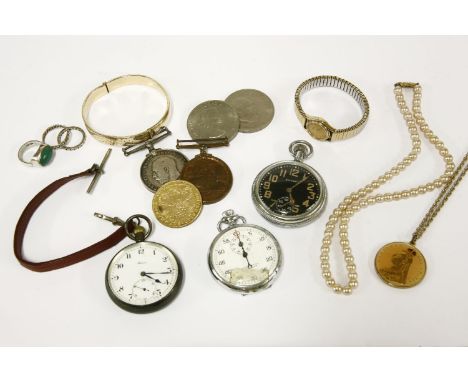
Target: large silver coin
(161, 166)
(254, 108)
(213, 119)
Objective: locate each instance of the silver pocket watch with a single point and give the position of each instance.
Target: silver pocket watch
(244, 257)
(144, 276)
(290, 193)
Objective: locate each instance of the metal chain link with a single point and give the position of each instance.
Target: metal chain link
(458, 175)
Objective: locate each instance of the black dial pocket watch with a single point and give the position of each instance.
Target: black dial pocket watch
(290, 193)
(144, 276)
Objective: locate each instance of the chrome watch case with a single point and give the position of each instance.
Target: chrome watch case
(232, 221)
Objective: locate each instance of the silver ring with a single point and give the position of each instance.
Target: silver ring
(67, 130)
(61, 143)
(39, 157)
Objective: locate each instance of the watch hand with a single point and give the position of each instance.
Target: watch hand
(289, 189)
(157, 273)
(152, 278)
(291, 199)
(244, 253)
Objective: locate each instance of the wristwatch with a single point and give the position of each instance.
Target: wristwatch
(318, 127)
(107, 87)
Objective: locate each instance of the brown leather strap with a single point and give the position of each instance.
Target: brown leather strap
(65, 261)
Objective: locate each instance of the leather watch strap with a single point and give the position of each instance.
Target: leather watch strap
(64, 261)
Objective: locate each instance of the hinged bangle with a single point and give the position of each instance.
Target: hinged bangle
(106, 88)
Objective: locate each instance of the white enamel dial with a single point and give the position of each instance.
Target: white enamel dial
(245, 257)
(142, 274)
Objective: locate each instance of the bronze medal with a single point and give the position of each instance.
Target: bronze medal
(400, 265)
(210, 175)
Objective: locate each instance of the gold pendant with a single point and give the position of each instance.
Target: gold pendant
(400, 265)
(177, 203)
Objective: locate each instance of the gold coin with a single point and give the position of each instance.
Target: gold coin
(400, 265)
(177, 203)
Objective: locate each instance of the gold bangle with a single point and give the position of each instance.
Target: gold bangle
(106, 88)
(318, 127)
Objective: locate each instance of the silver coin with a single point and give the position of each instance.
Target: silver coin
(254, 108)
(161, 166)
(213, 119)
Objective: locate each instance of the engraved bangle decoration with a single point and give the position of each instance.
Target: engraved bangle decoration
(114, 84)
(362, 198)
(318, 127)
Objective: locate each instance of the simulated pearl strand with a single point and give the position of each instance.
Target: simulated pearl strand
(360, 199)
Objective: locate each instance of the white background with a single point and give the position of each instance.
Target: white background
(44, 81)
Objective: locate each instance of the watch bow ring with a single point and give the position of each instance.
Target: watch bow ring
(318, 127)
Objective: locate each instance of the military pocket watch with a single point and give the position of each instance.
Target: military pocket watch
(290, 193)
(160, 165)
(244, 257)
(144, 276)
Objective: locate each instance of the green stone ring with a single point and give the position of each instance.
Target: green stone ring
(42, 156)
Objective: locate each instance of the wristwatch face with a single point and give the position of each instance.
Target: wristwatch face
(289, 192)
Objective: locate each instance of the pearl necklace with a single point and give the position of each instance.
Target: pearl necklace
(362, 198)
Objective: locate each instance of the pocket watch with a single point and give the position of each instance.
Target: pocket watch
(244, 257)
(144, 276)
(290, 193)
(160, 165)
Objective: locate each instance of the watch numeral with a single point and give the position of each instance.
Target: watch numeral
(310, 186)
(129, 256)
(295, 209)
(119, 266)
(269, 258)
(306, 203)
(273, 178)
(283, 172)
(164, 259)
(267, 194)
(222, 262)
(294, 172)
(121, 289)
(141, 251)
(266, 185)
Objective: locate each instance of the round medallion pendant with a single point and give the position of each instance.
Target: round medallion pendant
(210, 175)
(400, 265)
